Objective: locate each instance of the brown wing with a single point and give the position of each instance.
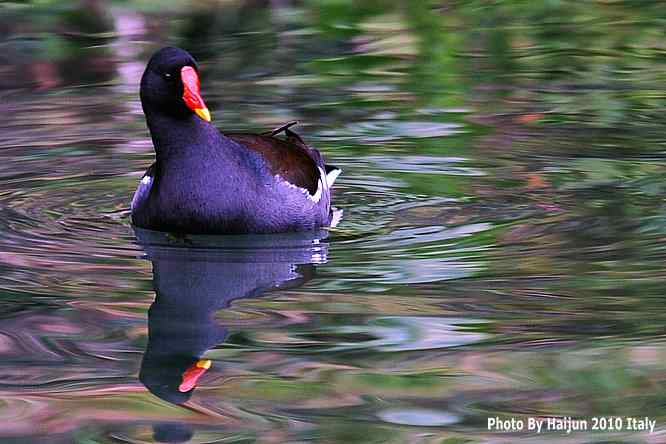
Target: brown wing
(289, 158)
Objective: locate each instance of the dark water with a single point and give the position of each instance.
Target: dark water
(501, 251)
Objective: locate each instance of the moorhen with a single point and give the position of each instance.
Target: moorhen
(207, 182)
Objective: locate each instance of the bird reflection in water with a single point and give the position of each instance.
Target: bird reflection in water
(193, 279)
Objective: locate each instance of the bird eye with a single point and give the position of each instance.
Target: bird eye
(167, 75)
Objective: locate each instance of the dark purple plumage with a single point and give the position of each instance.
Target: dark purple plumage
(204, 181)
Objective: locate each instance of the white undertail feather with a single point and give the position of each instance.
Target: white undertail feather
(336, 217)
(330, 177)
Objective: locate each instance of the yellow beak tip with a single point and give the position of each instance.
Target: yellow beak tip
(204, 363)
(203, 113)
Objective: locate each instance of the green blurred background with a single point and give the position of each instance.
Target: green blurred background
(501, 252)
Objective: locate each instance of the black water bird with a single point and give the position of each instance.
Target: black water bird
(207, 182)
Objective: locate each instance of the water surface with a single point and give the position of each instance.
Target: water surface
(501, 251)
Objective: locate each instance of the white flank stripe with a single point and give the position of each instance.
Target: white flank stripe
(330, 177)
(141, 191)
(315, 198)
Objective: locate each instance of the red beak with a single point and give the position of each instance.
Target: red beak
(192, 375)
(191, 94)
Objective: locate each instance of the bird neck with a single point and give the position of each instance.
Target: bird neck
(177, 137)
